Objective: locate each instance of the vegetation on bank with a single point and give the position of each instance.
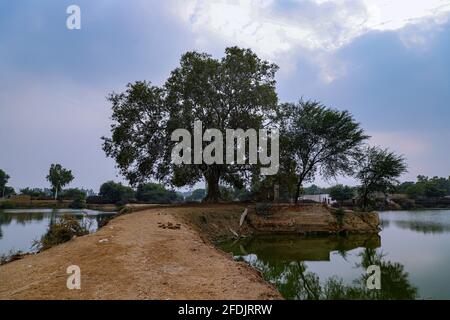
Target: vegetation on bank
(10, 257)
(64, 229)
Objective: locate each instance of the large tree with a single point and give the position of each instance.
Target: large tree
(379, 170)
(59, 177)
(315, 139)
(237, 91)
(3, 181)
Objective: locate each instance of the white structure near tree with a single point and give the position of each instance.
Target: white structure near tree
(319, 198)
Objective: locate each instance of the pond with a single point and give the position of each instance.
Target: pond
(412, 251)
(19, 228)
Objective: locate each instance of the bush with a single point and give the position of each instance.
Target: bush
(63, 230)
(78, 203)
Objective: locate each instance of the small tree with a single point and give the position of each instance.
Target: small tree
(379, 170)
(315, 139)
(341, 193)
(59, 177)
(3, 181)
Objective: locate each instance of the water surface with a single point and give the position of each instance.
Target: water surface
(412, 250)
(19, 228)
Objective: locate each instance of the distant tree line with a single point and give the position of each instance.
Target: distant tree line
(425, 187)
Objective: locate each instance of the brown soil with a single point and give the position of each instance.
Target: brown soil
(139, 260)
(313, 219)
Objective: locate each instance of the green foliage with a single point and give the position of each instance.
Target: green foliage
(242, 194)
(317, 140)
(33, 192)
(63, 230)
(294, 281)
(73, 193)
(156, 193)
(341, 193)
(79, 201)
(379, 170)
(9, 191)
(3, 181)
(113, 192)
(197, 195)
(59, 177)
(313, 189)
(226, 193)
(237, 91)
(426, 187)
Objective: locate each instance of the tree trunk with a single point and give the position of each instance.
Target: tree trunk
(56, 193)
(213, 192)
(297, 193)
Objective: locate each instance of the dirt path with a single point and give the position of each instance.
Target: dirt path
(139, 260)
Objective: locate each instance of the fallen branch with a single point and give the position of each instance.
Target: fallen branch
(243, 216)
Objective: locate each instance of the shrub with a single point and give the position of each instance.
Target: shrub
(78, 203)
(63, 230)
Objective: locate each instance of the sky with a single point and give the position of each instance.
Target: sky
(386, 61)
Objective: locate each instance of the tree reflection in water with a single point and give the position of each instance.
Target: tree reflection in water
(295, 282)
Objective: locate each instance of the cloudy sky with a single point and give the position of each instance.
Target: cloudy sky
(387, 61)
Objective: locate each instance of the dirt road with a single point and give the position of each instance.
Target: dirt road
(134, 258)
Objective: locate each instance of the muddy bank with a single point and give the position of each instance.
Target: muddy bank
(135, 257)
(221, 222)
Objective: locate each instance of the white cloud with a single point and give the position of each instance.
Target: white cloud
(273, 27)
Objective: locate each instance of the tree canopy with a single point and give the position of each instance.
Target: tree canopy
(315, 139)
(156, 193)
(113, 192)
(341, 193)
(59, 177)
(237, 91)
(3, 181)
(426, 187)
(379, 170)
